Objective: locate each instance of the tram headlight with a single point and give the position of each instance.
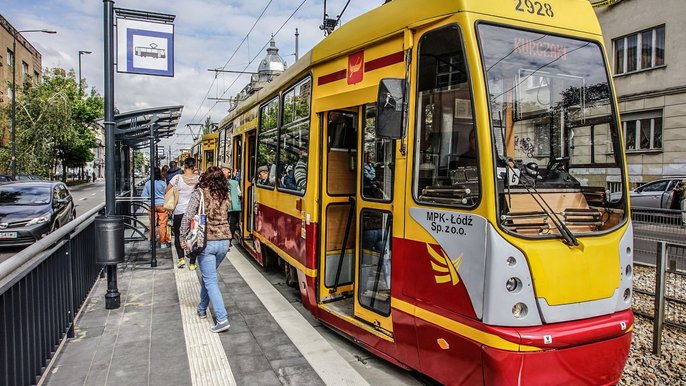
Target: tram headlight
(627, 271)
(511, 261)
(513, 284)
(519, 310)
(627, 294)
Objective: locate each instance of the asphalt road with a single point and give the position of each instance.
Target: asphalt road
(86, 197)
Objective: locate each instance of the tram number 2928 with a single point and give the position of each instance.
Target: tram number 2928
(535, 7)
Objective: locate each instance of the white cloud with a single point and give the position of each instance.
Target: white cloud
(207, 32)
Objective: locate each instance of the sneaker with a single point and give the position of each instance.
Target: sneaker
(221, 326)
(192, 266)
(182, 263)
(202, 314)
(164, 245)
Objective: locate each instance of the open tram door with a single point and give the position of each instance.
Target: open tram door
(356, 221)
(247, 176)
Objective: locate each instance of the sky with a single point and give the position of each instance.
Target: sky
(207, 33)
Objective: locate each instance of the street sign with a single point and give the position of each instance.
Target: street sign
(145, 47)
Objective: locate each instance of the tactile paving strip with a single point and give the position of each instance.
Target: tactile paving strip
(206, 356)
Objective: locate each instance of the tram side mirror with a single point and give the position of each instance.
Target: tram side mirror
(389, 108)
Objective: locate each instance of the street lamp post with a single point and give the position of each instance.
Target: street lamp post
(81, 53)
(14, 92)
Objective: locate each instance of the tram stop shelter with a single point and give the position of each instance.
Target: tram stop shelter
(138, 130)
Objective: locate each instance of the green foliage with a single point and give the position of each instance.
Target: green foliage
(138, 161)
(53, 124)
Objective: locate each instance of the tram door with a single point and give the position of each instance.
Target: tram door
(248, 173)
(237, 162)
(374, 214)
(339, 184)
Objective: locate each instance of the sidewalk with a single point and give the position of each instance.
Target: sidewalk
(155, 337)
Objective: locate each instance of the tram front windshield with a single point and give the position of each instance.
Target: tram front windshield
(554, 131)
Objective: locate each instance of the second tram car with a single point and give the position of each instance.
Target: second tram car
(433, 179)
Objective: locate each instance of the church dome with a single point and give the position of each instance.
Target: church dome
(272, 63)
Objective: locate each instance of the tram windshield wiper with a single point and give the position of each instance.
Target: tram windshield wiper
(564, 231)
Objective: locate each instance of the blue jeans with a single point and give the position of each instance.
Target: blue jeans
(208, 261)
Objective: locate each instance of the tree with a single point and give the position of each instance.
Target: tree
(207, 126)
(53, 124)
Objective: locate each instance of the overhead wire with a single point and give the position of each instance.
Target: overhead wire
(259, 52)
(231, 57)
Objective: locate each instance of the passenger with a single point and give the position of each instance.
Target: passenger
(160, 217)
(173, 170)
(164, 171)
(468, 158)
(681, 194)
(263, 175)
(235, 197)
(369, 185)
(300, 171)
(341, 131)
(288, 179)
(215, 190)
(185, 183)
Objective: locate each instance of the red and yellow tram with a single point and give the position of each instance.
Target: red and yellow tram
(434, 179)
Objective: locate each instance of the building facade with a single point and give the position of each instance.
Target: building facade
(646, 46)
(28, 66)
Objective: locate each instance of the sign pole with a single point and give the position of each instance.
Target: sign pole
(112, 298)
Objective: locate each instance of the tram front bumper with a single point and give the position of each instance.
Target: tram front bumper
(597, 363)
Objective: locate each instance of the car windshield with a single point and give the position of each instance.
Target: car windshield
(24, 195)
(554, 132)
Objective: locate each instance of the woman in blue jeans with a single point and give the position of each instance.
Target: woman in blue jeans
(215, 194)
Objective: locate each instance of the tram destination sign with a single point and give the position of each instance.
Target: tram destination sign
(145, 47)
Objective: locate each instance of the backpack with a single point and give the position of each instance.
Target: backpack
(196, 240)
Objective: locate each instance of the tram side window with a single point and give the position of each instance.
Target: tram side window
(375, 260)
(377, 161)
(446, 164)
(294, 138)
(267, 143)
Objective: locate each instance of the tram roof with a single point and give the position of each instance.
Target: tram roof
(391, 18)
(133, 128)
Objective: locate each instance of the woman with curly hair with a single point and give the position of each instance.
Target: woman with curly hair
(215, 193)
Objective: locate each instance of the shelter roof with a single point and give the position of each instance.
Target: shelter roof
(133, 128)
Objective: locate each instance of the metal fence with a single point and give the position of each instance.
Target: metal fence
(660, 290)
(42, 289)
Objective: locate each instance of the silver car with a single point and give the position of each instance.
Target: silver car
(657, 194)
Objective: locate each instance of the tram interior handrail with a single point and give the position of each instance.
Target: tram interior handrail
(9, 271)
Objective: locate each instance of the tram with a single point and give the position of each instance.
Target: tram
(205, 150)
(434, 180)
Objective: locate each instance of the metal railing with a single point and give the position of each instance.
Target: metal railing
(661, 295)
(669, 220)
(42, 288)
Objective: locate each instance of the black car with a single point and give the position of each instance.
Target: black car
(30, 210)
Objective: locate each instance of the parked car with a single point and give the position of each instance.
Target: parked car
(5, 178)
(27, 177)
(30, 210)
(657, 194)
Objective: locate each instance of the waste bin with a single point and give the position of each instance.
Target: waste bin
(109, 233)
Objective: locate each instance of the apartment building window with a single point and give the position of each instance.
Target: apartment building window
(10, 58)
(36, 78)
(643, 131)
(639, 51)
(24, 72)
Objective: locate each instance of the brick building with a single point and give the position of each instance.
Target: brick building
(28, 67)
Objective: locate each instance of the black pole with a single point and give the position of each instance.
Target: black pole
(14, 104)
(112, 298)
(153, 146)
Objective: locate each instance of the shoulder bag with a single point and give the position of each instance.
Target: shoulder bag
(171, 198)
(196, 238)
